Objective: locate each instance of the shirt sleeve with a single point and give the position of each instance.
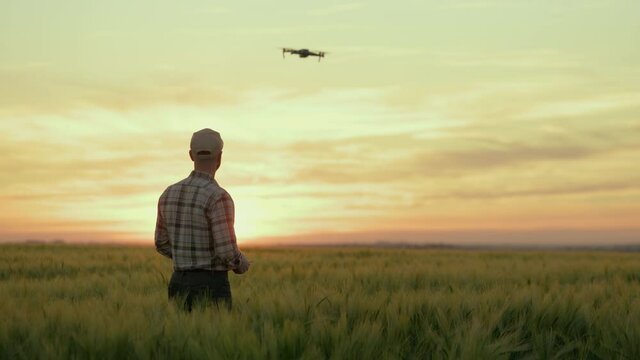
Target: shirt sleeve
(221, 215)
(163, 244)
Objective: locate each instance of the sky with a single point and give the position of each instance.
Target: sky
(427, 121)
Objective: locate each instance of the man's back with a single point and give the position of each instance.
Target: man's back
(195, 224)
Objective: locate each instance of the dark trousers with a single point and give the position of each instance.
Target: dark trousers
(200, 287)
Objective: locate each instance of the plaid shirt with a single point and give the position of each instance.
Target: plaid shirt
(195, 225)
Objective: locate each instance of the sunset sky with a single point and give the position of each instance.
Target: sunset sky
(436, 121)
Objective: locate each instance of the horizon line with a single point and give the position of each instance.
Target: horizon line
(626, 247)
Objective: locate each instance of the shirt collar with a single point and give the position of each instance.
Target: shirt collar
(202, 175)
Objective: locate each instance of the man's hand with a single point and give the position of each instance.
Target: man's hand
(242, 265)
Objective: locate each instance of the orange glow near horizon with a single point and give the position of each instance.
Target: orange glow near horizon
(423, 117)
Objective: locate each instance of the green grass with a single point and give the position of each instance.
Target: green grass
(90, 302)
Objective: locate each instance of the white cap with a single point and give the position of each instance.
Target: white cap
(206, 144)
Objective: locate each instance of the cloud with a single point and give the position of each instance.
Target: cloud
(75, 194)
(580, 107)
(404, 156)
(540, 191)
(354, 159)
(36, 89)
(503, 154)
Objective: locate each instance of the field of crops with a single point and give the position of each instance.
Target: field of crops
(63, 301)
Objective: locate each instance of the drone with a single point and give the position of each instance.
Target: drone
(303, 53)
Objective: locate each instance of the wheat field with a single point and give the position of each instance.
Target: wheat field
(110, 302)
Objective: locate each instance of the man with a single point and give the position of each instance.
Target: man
(194, 228)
